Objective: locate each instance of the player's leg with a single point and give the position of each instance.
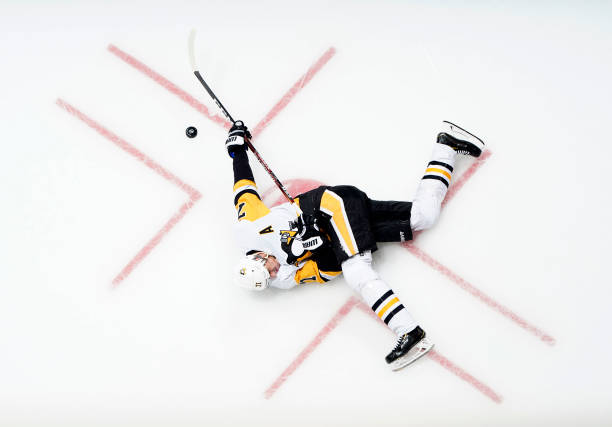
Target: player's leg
(350, 229)
(345, 209)
(394, 221)
(364, 280)
(432, 188)
(452, 140)
(390, 220)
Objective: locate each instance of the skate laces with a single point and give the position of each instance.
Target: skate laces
(400, 341)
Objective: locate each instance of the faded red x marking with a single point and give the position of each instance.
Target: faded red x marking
(193, 194)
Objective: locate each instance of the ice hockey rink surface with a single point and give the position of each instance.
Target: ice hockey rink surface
(116, 301)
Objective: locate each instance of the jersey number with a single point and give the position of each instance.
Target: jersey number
(240, 213)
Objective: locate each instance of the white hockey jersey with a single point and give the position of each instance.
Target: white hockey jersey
(271, 230)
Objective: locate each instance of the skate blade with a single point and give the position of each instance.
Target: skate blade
(420, 349)
(467, 135)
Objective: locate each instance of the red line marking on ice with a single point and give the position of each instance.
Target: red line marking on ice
(460, 182)
(167, 84)
(194, 195)
(154, 241)
(330, 326)
(198, 106)
(286, 99)
(445, 363)
(455, 278)
(465, 285)
(346, 308)
(128, 148)
(190, 100)
(274, 197)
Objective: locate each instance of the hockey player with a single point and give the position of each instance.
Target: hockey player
(334, 229)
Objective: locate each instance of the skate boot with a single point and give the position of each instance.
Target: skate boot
(409, 348)
(460, 140)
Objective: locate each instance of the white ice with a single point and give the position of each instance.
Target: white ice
(175, 343)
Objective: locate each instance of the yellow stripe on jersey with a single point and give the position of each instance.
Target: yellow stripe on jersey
(383, 310)
(308, 273)
(333, 206)
(328, 275)
(443, 172)
(244, 182)
(248, 204)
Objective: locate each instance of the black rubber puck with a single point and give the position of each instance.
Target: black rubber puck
(191, 132)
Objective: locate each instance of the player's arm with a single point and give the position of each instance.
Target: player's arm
(237, 150)
(284, 277)
(246, 197)
(290, 276)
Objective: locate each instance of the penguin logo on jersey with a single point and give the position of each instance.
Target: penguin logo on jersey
(292, 247)
(287, 236)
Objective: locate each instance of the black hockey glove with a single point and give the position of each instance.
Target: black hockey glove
(236, 137)
(308, 232)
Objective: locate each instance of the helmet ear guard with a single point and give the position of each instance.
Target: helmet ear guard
(251, 273)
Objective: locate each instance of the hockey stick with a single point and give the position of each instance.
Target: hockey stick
(227, 114)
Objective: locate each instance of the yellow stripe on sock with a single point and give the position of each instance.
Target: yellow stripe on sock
(443, 172)
(387, 306)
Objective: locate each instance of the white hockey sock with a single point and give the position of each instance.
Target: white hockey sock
(387, 306)
(433, 187)
(362, 278)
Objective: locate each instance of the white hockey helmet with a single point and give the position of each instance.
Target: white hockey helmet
(251, 272)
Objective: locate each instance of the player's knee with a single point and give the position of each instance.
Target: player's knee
(358, 270)
(424, 214)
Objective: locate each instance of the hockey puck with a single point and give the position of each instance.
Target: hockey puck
(191, 132)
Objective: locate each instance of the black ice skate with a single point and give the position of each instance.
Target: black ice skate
(460, 140)
(409, 348)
